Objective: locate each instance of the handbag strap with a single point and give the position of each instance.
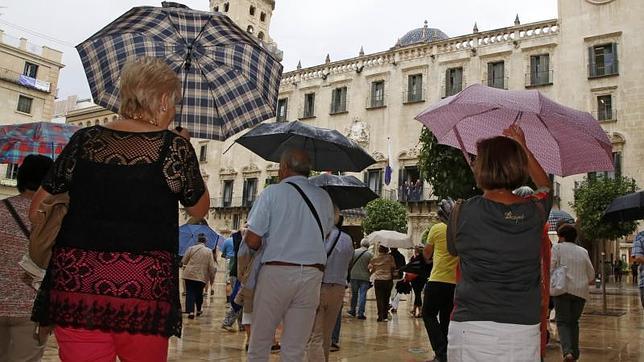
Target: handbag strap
(335, 242)
(353, 263)
(17, 217)
(310, 205)
(452, 227)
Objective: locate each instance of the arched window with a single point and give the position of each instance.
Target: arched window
(226, 7)
(262, 16)
(261, 35)
(114, 118)
(252, 10)
(250, 29)
(216, 9)
(88, 123)
(96, 121)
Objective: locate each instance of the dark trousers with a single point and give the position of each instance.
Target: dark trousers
(417, 286)
(439, 302)
(568, 310)
(194, 295)
(383, 292)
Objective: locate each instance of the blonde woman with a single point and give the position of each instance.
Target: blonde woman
(112, 282)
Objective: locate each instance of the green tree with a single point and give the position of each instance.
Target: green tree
(592, 197)
(445, 168)
(384, 214)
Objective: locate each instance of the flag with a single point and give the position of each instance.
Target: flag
(388, 170)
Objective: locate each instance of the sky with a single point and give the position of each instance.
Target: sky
(305, 30)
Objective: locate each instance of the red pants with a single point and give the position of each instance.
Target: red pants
(76, 345)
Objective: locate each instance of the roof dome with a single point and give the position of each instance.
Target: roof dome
(421, 35)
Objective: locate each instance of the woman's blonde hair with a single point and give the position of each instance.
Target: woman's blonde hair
(501, 163)
(143, 82)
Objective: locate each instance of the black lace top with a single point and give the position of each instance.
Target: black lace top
(114, 266)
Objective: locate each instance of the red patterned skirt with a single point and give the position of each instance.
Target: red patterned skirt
(129, 292)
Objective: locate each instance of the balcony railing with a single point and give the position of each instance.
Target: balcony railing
(536, 79)
(23, 80)
(496, 82)
(603, 69)
(414, 96)
(605, 115)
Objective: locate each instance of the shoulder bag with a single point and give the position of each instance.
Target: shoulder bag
(45, 227)
(311, 207)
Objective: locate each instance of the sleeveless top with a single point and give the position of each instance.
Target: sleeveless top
(114, 266)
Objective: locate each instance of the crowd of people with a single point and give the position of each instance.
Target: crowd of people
(112, 284)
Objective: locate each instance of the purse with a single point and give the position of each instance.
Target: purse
(558, 281)
(45, 227)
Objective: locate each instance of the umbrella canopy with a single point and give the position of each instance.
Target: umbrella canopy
(347, 192)
(188, 237)
(329, 149)
(564, 141)
(230, 82)
(556, 216)
(43, 138)
(629, 207)
(390, 239)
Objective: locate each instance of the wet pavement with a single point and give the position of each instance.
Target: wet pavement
(403, 338)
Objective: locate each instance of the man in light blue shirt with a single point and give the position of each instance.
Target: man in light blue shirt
(638, 254)
(339, 248)
(294, 255)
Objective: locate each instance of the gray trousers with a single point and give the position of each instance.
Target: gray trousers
(568, 310)
(290, 294)
(17, 342)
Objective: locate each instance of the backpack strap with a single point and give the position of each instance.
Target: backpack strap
(17, 217)
(311, 207)
(452, 227)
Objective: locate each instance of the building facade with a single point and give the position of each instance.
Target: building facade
(587, 58)
(28, 87)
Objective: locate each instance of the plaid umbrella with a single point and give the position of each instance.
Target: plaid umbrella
(43, 138)
(230, 82)
(564, 141)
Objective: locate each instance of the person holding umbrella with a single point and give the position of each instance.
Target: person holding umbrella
(497, 237)
(113, 275)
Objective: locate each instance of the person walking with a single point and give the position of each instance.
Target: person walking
(290, 222)
(113, 275)
(498, 238)
(398, 276)
(382, 268)
(638, 255)
(579, 274)
(199, 270)
(360, 279)
(617, 270)
(634, 269)
(339, 251)
(234, 312)
(439, 292)
(422, 271)
(17, 342)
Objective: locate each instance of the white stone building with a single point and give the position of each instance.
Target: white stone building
(589, 58)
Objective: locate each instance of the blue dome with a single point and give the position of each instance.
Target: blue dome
(421, 35)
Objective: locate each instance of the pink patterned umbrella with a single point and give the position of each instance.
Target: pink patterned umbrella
(564, 141)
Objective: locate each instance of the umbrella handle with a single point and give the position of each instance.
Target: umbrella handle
(468, 159)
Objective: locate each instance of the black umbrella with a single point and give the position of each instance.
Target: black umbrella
(626, 208)
(347, 192)
(329, 149)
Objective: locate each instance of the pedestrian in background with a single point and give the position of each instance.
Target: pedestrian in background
(439, 292)
(579, 274)
(17, 342)
(360, 279)
(638, 255)
(382, 268)
(199, 270)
